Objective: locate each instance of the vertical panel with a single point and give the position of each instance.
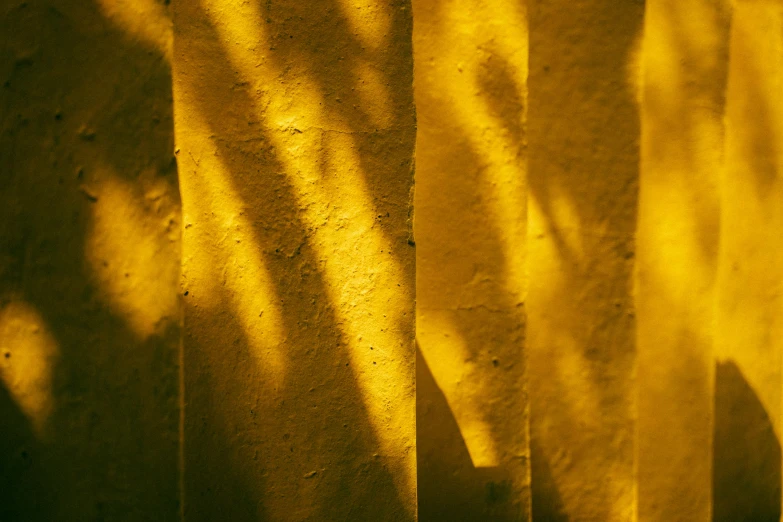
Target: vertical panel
(295, 127)
(685, 67)
(89, 263)
(749, 339)
(470, 72)
(584, 151)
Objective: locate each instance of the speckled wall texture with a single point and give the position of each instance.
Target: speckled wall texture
(89, 263)
(391, 260)
(295, 133)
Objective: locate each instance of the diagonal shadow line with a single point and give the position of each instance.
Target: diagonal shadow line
(583, 140)
(450, 487)
(683, 102)
(332, 60)
(314, 336)
(761, 140)
(685, 134)
(746, 471)
(746, 459)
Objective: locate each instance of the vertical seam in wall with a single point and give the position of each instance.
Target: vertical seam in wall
(641, 78)
(181, 438)
(180, 298)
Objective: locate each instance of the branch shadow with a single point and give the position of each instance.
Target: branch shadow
(746, 472)
(466, 176)
(24, 485)
(746, 460)
(450, 487)
(307, 443)
(82, 103)
(583, 129)
(683, 103)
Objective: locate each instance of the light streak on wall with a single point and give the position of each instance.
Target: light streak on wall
(127, 253)
(685, 65)
(470, 227)
(28, 353)
(330, 152)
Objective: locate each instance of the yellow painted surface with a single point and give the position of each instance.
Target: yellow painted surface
(685, 56)
(470, 76)
(583, 129)
(592, 272)
(749, 330)
(28, 377)
(89, 264)
(294, 130)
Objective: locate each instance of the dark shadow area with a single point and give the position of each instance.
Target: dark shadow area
(463, 274)
(305, 448)
(504, 97)
(751, 109)
(327, 48)
(450, 487)
(25, 493)
(82, 103)
(547, 504)
(678, 105)
(746, 468)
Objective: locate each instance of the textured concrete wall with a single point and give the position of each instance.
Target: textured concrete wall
(89, 263)
(294, 130)
(596, 246)
(685, 66)
(583, 129)
(746, 460)
(470, 72)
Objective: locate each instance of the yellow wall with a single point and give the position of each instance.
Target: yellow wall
(684, 82)
(294, 131)
(89, 263)
(470, 71)
(591, 276)
(583, 128)
(748, 346)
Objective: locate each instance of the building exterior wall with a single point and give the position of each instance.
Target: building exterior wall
(89, 263)
(295, 131)
(470, 225)
(222, 296)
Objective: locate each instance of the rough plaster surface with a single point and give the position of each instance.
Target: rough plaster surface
(89, 266)
(294, 130)
(295, 135)
(470, 72)
(583, 129)
(746, 461)
(682, 107)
